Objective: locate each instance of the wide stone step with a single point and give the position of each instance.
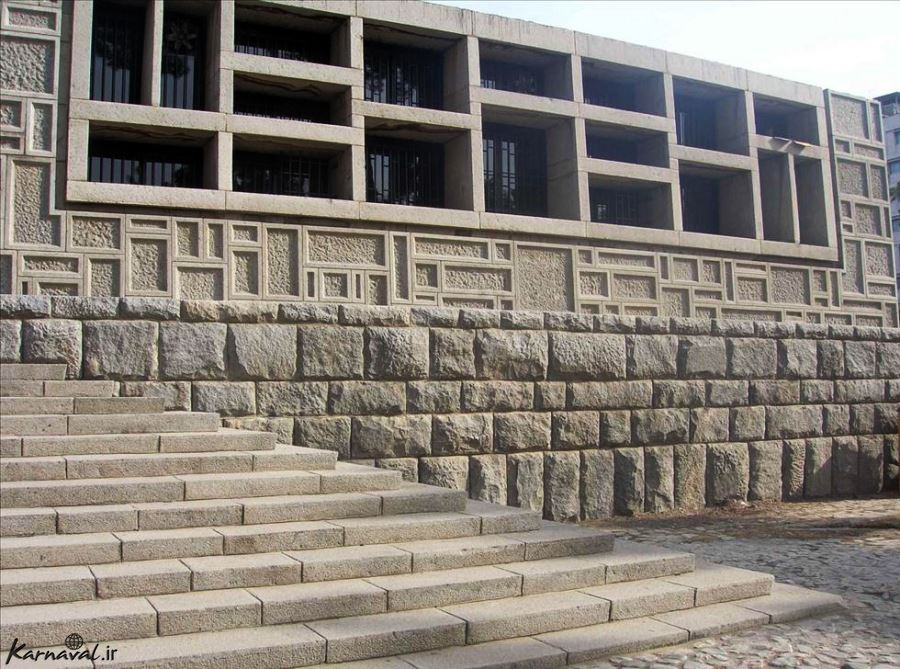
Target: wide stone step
(282, 458)
(186, 487)
(74, 388)
(414, 498)
(115, 424)
(222, 439)
(18, 406)
(10, 371)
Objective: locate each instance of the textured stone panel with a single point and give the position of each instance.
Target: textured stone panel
(877, 182)
(684, 269)
(868, 220)
(42, 128)
(377, 289)
(790, 422)
(105, 278)
(453, 248)
(462, 434)
(818, 468)
(283, 262)
(215, 240)
(751, 290)
(525, 480)
(790, 286)
(477, 278)
(849, 117)
(659, 479)
(652, 357)
(331, 352)
(852, 276)
(514, 355)
(626, 286)
(396, 353)
(401, 268)
(345, 248)
(10, 340)
(675, 302)
(58, 288)
(712, 271)
(545, 279)
(34, 64)
(31, 18)
(878, 260)
(32, 263)
(752, 358)
(245, 269)
(426, 275)
(335, 284)
(390, 436)
(200, 283)
(852, 178)
(264, 351)
(594, 283)
(497, 396)
(32, 223)
(625, 260)
(224, 398)
(149, 264)
(366, 397)
(95, 232)
(433, 396)
(797, 359)
(11, 113)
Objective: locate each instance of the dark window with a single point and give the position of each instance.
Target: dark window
(608, 148)
(515, 170)
(695, 122)
(117, 52)
(699, 204)
(145, 164)
(399, 76)
(183, 53)
(772, 124)
(409, 173)
(273, 106)
(281, 174)
(619, 207)
(281, 43)
(512, 77)
(609, 94)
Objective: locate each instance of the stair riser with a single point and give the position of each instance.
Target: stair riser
(29, 406)
(198, 442)
(59, 388)
(86, 424)
(32, 372)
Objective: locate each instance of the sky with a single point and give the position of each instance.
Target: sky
(853, 47)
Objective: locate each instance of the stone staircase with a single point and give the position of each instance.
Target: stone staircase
(181, 544)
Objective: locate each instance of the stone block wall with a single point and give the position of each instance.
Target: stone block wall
(583, 416)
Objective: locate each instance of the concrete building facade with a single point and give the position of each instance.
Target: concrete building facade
(890, 111)
(402, 153)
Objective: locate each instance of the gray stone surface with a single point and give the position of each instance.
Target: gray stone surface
(709, 425)
(727, 472)
(512, 355)
(525, 480)
(487, 478)
(460, 434)
(575, 430)
(120, 349)
(53, 340)
(748, 423)
(702, 357)
(659, 479)
(447, 472)
(366, 397)
(751, 358)
(497, 396)
(396, 353)
(264, 351)
(10, 340)
(690, 476)
(190, 351)
(652, 357)
(765, 470)
(582, 356)
(225, 398)
(797, 359)
(790, 422)
(390, 436)
(287, 398)
(433, 396)
(597, 484)
(561, 478)
(629, 481)
(452, 354)
(331, 352)
(660, 426)
(522, 432)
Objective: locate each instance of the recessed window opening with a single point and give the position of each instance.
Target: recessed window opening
(515, 170)
(403, 76)
(289, 173)
(265, 40)
(136, 163)
(183, 61)
(117, 47)
(404, 172)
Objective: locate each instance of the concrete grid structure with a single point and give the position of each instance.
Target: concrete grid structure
(890, 111)
(646, 183)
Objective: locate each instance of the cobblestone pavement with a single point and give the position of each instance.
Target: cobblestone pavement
(851, 548)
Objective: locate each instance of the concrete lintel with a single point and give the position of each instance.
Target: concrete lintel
(293, 69)
(283, 129)
(320, 207)
(630, 171)
(156, 196)
(143, 115)
(535, 225)
(433, 216)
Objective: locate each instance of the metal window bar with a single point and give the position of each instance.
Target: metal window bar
(145, 164)
(403, 76)
(616, 207)
(281, 174)
(117, 46)
(695, 122)
(699, 204)
(515, 170)
(273, 106)
(512, 77)
(404, 172)
(258, 40)
(183, 61)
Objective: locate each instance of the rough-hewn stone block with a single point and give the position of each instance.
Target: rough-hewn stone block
(329, 432)
(433, 396)
(814, 392)
(752, 358)
(709, 425)
(679, 394)
(525, 480)
(791, 422)
(727, 393)
(629, 480)
(549, 395)
(574, 430)
(396, 353)
(615, 428)
(793, 469)
(835, 419)
(861, 390)
(727, 472)
(224, 397)
(871, 464)
(748, 423)
(192, 350)
(845, 465)
(583, 356)
(10, 340)
(459, 434)
(659, 479)
(611, 395)
(797, 359)
(652, 357)
(765, 470)
(774, 392)
(510, 354)
(288, 398)
(262, 351)
(888, 359)
(452, 354)
(660, 426)
(390, 436)
(597, 484)
(487, 478)
(561, 492)
(497, 396)
(702, 357)
(831, 359)
(859, 359)
(176, 395)
(690, 476)
(817, 475)
(120, 349)
(451, 472)
(331, 352)
(53, 340)
(522, 432)
(366, 397)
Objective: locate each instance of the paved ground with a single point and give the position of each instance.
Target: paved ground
(851, 548)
